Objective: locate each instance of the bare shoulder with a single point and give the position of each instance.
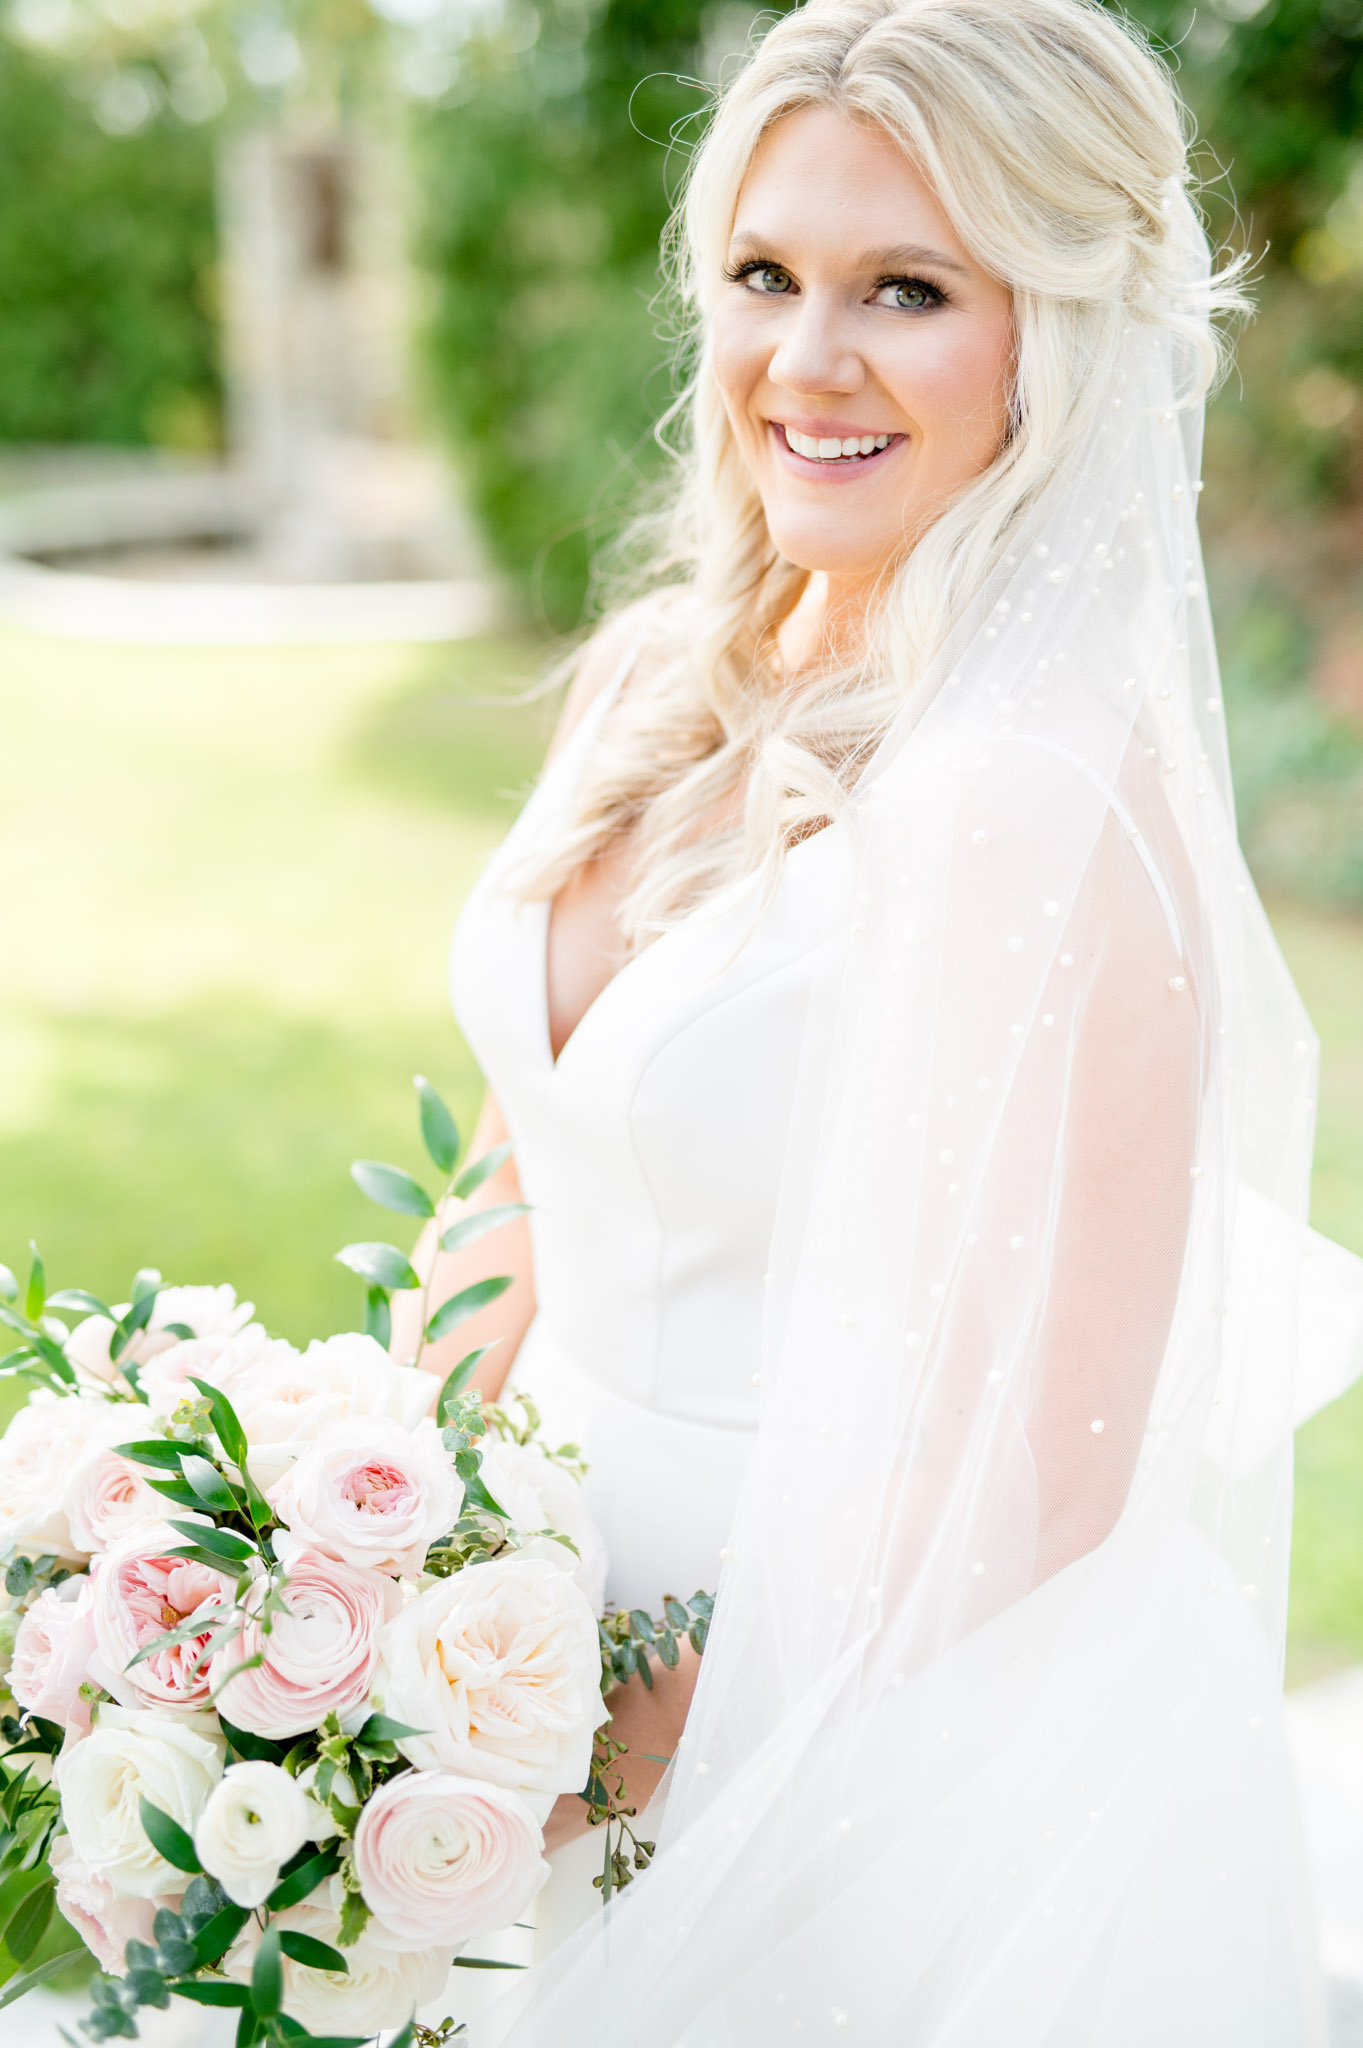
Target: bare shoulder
(626, 636)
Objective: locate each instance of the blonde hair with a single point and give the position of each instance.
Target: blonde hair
(1054, 142)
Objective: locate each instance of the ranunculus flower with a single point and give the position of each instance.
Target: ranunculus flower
(443, 1858)
(140, 1593)
(105, 1920)
(255, 1818)
(320, 1655)
(538, 1494)
(37, 1453)
(172, 1761)
(371, 1493)
(285, 1403)
(501, 1666)
(208, 1311)
(382, 1986)
(107, 1496)
(52, 1654)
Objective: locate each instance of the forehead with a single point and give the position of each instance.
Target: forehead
(820, 177)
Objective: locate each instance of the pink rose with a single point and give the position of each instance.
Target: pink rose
(442, 1858)
(105, 1920)
(108, 1497)
(52, 1654)
(141, 1593)
(320, 1654)
(371, 1493)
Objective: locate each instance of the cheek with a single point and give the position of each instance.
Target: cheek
(738, 358)
(956, 389)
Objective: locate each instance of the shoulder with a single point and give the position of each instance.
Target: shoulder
(626, 642)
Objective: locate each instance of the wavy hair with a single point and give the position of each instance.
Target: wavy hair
(1056, 145)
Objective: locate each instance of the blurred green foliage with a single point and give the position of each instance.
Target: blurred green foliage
(107, 248)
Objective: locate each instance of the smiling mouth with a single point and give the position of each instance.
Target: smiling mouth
(859, 451)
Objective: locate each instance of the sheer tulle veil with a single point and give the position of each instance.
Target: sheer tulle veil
(986, 1747)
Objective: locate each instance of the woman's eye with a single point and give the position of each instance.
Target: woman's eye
(769, 277)
(909, 294)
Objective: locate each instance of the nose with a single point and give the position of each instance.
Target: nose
(814, 353)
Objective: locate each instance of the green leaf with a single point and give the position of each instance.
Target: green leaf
(224, 1544)
(254, 1747)
(314, 1954)
(380, 1728)
(14, 1320)
(470, 1228)
(76, 1297)
(382, 1265)
(230, 1433)
(466, 1303)
(154, 1450)
(216, 1936)
(35, 1296)
(208, 1483)
(29, 1923)
(391, 1188)
(305, 1879)
(482, 1169)
(9, 1286)
(484, 1963)
(168, 1838)
(15, 1890)
(378, 1317)
(457, 1380)
(354, 1918)
(179, 1491)
(51, 1966)
(439, 1132)
(641, 1625)
(267, 1975)
(250, 2027)
(206, 1992)
(137, 1318)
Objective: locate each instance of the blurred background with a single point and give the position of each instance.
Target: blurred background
(330, 347)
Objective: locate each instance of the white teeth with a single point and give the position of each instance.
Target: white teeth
(829, 450)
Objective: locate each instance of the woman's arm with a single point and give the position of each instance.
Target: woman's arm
(650, 1725)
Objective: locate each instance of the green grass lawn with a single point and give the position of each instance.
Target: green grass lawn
(227, 883)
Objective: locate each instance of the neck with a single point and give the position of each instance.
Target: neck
(827, 623)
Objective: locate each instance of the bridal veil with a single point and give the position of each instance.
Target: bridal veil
(986, 1748)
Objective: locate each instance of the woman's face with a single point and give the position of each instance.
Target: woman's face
(852, 318)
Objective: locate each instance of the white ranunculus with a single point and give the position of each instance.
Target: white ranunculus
(381, 1987)
(284, 1403)
(445, 1858)
(174, 1761)
(371, 1493)
(538, 1494)
(255, 1818)
(37, 1455)
(500, 1666)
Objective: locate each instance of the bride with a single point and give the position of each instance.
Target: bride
(914, 1111)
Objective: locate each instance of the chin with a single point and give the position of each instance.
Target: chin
(819, 550)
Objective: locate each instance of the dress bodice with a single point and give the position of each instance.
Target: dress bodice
(651, 1150)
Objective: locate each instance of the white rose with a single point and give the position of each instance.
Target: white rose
(255, 1818)
(371, 1493)
(107, 1496)
(37, 1454)
(538, 1494)
(284, 1403)
(219, 1361)
(172, 1761)
(444, 1858)
(381, 1987)
(500, 1665)
(208, 1311)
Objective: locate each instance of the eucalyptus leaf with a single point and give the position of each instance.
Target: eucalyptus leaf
(439, 1132)
(382, 1265)
(391, 1188)
(482, 1169)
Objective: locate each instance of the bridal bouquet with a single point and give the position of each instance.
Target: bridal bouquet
(302, 1647)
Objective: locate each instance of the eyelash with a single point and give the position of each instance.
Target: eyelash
(736, 273)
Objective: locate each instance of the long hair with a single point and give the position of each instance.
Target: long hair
(1055, 143)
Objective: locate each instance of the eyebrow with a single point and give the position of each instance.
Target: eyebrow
(905, 257)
